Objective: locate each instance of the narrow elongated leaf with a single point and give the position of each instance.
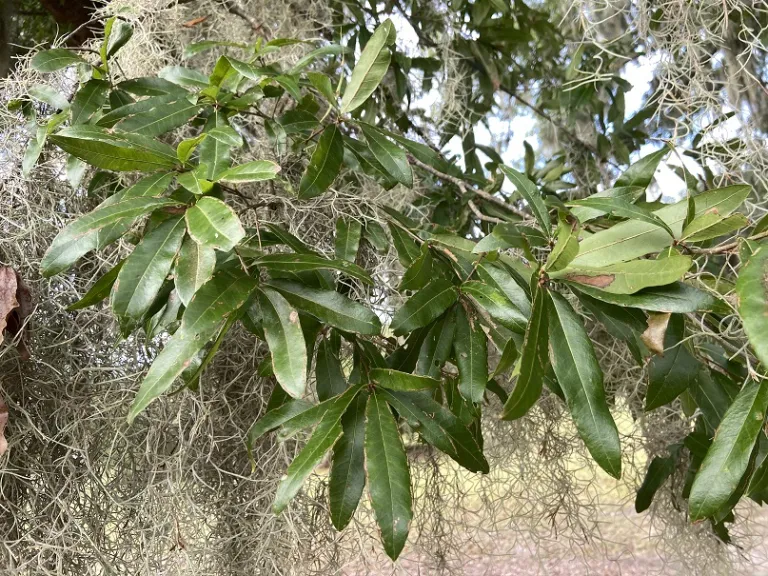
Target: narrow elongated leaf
(348, 233)
(436, 347)
(89, 99)
(275, 418)
(533, 360)
(256, 171)
(407, 250)
(752, 289)
(389, 483)
(641, 172)
(289, 262)
(633, 239)
(440, 428)
(501, 279)
(151, 86)
(628, 194)
(324, 165)
(208, 310)
(50, 96)
(419, 273)
(330, 307)
(187, 77)
(728, 456)
(162, 119)
(677, 297)
(581, 380)
(623, 209)
(123, 111)
(471, 351)
(310, 57)
(326, 434)
(392, 158)
(396, 380)
(497, 305)
(322, 84)
(34, 149)
(215, 154)
(712, 226)
(194, 268)
(213, 224)
(286, 342)
(55, 59)
(116, 35)
(145, 271)
(627, 277)
(192, 182)
(659, 470)
(531, 195)
(567, 245)
(424, 306)
(103, 226)
(115, 151)
(348, 465)
(370, 68)
(328, 372)
(673, 372)
(100, 289)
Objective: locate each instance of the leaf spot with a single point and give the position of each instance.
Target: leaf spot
(601, 281)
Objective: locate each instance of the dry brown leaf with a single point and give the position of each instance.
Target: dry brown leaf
(194, 22)
(8, 300)
(15, 307)
(653, 337)
(3, 422)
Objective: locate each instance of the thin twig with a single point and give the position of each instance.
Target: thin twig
(725, 247)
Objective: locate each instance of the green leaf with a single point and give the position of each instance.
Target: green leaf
(419, 273)
(191, 181)
(436, 347)
(88, 100)
(392, 158)
(496, 304)
(330, 307)
(123, 111)
(370, 68)
(641, 172)
(56, 59)
(389, 483)
(255, 171)
(627, 277)
(671, 374)
(658, 471)
(310, 57)
(470, 349)
(322, 84)
(287, 262)
(324, 165)
(348, 465)
(567, 246)
(296, 121)
(531, 195)
(100, 289)
(752, 289)
(186, 147)
(328, 372)
(145, 271)
(396, 380)
(623, 209)
(34, 149)
(286, 342)
(728, 456)
(217, 299)
(187, 77)
(633, 239)
(106, 223)
(620, 322)
(581, 380)
(439, 427)
(113, 150)
(151, 86)
(328, 430)
(194, 268)
(348, 233)
(162, 119)
(213, 224)
(204, 45)
(213, 153)
(533, 360)
(406, 248)
(501, 279)
(424, 306)
(274, 418)
(52, 97)
(677, 297)
(116, 35)
(711, 225)
(628, 194)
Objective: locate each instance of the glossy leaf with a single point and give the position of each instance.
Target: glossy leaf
(424, 306)
(213, 224)
(627, 277)
(286, 342)
(348, 233)
(533, 360)
(34, 149)
(256, 171)
(496, 304)
(324, 165)
(396, 380)
(641, 172)
(275, 418)
(194, 267)
(567, 246)
(160, 120)
(581, 380)
(531, 195)
(728, 456)
(389, 483)
(347, 478)
(752, 289)
(88, 100)
(673, 372)
(208, 310)
(213, 153)
(145, 271)
(392, 158)
(711, 225)
(289, 262)
(329, 375)
(658, 471)
(100, 289)
(623, 209)
(419, 273)
(55, 59)
(370, 68)
(471, 352)
(331, 307)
